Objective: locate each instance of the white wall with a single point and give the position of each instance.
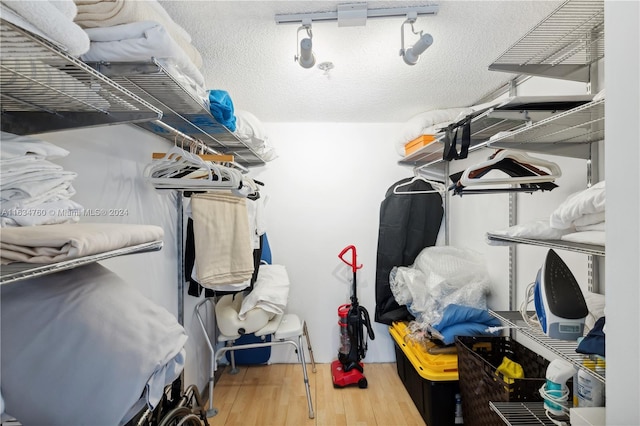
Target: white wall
(325, 191)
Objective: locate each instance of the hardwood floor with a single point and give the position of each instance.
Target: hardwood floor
(274, 394)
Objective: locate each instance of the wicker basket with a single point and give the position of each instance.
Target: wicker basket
(478, 359)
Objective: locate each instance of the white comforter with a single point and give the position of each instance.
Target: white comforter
(55, 243)
(82, 347)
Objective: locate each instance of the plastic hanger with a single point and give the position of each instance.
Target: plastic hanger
(531, 167)
(438, 187)
(168, 172)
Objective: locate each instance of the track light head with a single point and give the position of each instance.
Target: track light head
(306, 59)
(304, 53)
(412, 54)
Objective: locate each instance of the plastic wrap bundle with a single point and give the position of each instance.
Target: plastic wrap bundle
(440, 276)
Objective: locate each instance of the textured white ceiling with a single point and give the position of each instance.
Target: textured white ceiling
(247, 54)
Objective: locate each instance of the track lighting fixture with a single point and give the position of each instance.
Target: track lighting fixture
(356, 14)
(412, 54)
(304, 53)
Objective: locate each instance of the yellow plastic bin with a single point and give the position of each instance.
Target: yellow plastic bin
(430, 379)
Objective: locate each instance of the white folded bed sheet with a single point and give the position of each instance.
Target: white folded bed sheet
(108, 13)
(55, 243)
(82, 347)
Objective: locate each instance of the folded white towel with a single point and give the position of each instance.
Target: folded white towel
(588, 201)
(221, 235)
(54, 243)
(270, 291)
(49, 19)
(42, 202)
(34, 189)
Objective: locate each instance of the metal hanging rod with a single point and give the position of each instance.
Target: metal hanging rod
(355, 14)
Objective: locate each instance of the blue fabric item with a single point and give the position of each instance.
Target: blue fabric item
(459, 320)
(266, 250)
(594, 341)
(221, 107)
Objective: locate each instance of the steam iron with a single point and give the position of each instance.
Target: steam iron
(559, 302)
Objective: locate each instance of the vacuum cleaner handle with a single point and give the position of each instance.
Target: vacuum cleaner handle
(353, 264)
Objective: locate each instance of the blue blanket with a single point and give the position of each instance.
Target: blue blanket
(459, 320)
(221, 107)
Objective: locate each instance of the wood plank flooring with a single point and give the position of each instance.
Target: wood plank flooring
(273, 395)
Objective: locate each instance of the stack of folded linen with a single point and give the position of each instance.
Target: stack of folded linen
(579, 219)
(583, 211)
(133, 31)
(33, 190)
(52, 20)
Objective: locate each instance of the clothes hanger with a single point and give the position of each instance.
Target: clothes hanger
(168, 172)
(528, 168)
(438, 187)
(520, 168)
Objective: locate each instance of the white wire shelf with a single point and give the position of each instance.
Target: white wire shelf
(483, 127)
(568, 133)
(523, 413)
(182, 109)
(44, 89)
(562, 46)
(564, 349)
(20, 271)
(590, 249)
(514, 115)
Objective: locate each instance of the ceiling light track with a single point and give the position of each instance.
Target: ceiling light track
(354, 14)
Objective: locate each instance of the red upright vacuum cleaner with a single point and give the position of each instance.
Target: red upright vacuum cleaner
(348, 369)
